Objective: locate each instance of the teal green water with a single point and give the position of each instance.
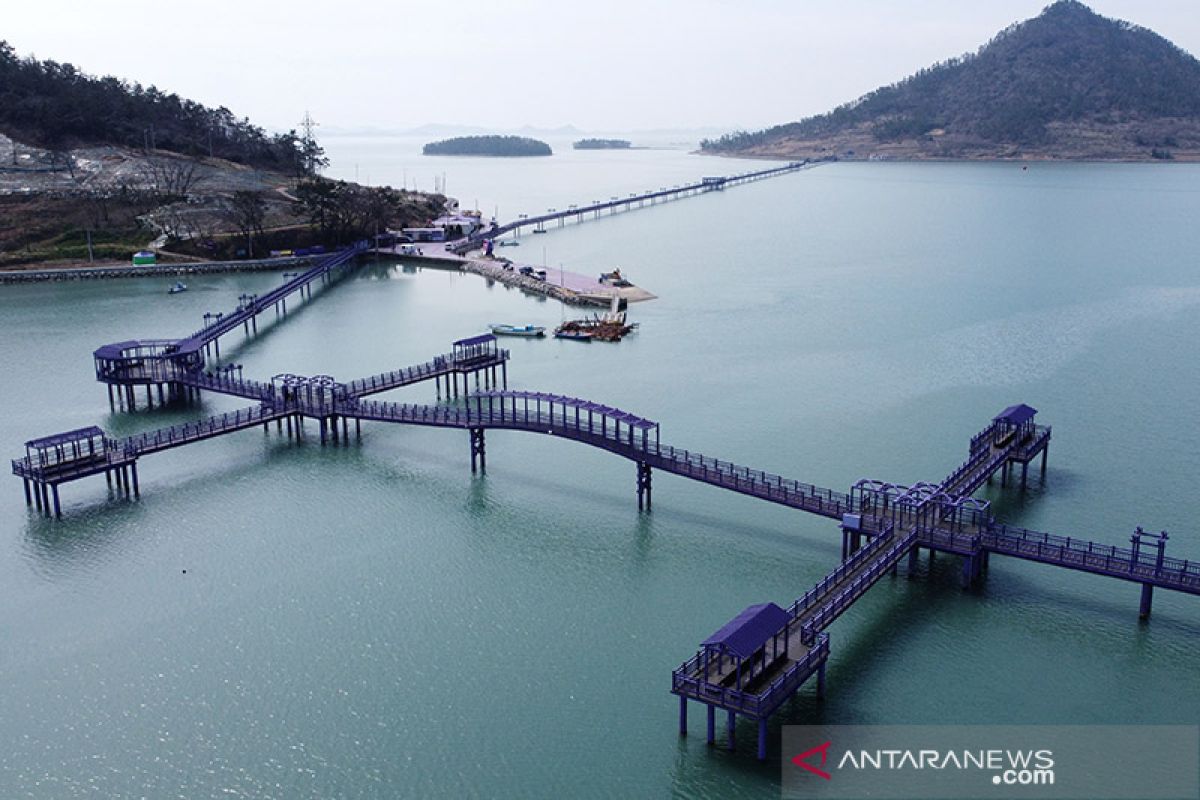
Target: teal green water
(372, 621)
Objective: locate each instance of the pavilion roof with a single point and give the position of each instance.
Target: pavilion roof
(747, 632)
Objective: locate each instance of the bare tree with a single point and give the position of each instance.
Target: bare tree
(94, 205)
(247, 211)
(172, 176)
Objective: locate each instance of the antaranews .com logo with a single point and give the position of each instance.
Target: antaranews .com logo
(1006, 767)
(966, 762)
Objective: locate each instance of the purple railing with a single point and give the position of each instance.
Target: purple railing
(245, 311)
(840, 573)
(559, 417)
(854, 589)
(1092, 556)
(238, 387)
(439, 365)
(166, 438)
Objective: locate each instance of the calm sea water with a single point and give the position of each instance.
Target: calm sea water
(373, 621)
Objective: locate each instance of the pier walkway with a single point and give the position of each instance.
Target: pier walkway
(596, 208)
(747, 668)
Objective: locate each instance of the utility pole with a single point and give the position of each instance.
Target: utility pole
(307, 124)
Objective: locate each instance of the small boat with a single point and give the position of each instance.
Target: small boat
(539, 230)
(510, 244)
(531, 331)
(574, 335)
(177, 288)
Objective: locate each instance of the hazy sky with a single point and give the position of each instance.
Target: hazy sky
(599, 64)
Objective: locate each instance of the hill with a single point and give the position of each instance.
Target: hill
(1067, 84)
(55, 106)
(94, 169)
(488, 146)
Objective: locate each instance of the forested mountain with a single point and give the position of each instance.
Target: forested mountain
(1068, 83)
(55, 106)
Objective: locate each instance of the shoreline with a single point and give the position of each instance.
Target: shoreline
(966, 160)
(113, 271)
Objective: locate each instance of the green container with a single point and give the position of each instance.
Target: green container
(143, 258)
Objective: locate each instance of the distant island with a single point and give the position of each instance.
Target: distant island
(1068, 84)
(602, 144)
(488, 146)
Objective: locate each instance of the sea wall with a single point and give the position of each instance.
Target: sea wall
(150, 271)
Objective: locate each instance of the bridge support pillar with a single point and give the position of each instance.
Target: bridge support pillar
(821, 681)
(730, 728)
(37, 496)
(478, 451)
(682, 715)
(1024, 474)
(111, 405)
(1147, 601)
(46, 499)
(1045, 452)
(762, 739)
(137, 492)
(971, 568)
(912, 560)
(644, 486)
(712, 724)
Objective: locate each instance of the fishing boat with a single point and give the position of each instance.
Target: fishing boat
(529, 331)
(510, 244)
(611, 327)
(180, 286)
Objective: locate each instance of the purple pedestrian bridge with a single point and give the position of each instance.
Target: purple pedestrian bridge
(749, 667)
